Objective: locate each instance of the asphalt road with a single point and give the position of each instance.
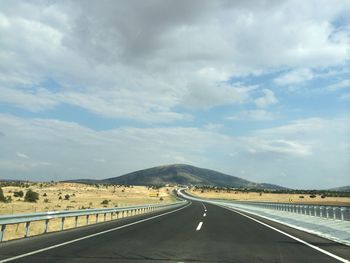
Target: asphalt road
(177, 236)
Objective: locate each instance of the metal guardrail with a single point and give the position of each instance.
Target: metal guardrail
(115, 213)
(323, 211)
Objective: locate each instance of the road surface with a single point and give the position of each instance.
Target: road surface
(194, 233)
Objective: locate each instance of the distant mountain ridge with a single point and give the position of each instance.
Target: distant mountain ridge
(181, 174)
(341, 189)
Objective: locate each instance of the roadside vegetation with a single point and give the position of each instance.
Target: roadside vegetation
(267, 195)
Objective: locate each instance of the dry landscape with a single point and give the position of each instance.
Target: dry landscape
(270, 197)
(80, 196)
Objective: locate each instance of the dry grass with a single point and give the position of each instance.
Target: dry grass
(81, 196)
(271, 197)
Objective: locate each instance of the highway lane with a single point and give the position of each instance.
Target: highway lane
(223, 236)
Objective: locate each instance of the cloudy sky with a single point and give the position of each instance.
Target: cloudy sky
(255, 89)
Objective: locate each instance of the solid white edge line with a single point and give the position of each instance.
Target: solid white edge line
(89, 236)
(199, 226)
(290, 236)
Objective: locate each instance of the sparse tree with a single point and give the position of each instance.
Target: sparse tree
(2, 197)
(18, 194)
(31, 196)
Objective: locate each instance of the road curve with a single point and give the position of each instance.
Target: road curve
(196, 233)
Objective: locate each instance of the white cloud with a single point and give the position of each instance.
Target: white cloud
(340, 85)
(267, 99)
(345, 97)
(258, 115)
(297, 76)
(22, 155)
(313, 147)
(145, 63)
(162, 62)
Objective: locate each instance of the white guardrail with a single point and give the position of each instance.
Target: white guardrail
(115, 213)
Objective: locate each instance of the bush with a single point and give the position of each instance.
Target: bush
(312, 196)
(323, 196)
(46, 200)
(66, 197)
(161, 199)
(301, 196)
(18, 194)
(2, 197)
(31, 196)
(104, 202)
(44, 194)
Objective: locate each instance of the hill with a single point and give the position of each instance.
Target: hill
(182, 174)
(341, 189)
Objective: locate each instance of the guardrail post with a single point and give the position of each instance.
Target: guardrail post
(2, 232)
(46, 226)
(334, 215)
(27, 229)
(327, 212)
(342, 213)
(321, 208)
(62, 223)
(111, 215)
(87, 219)
(76, 221)
(96, 218)
(315, 210)
(104, 217)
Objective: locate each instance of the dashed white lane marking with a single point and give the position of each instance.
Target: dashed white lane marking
(292, 237)
(205, 215)
(205, 208)
(92, 235)
(199, 226)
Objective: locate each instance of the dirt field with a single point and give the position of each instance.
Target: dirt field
(271, 197)
(80, 196)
